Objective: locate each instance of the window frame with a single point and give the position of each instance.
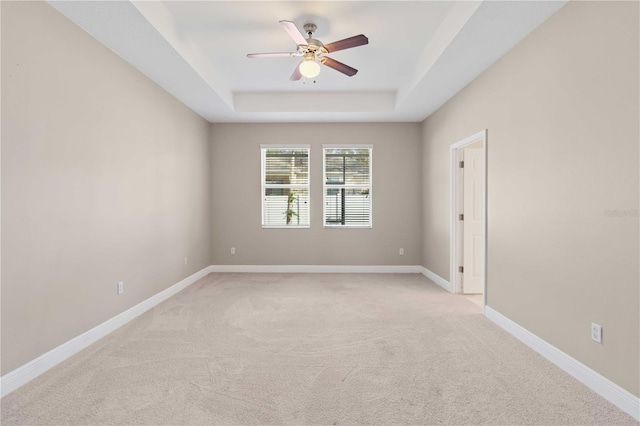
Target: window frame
(325, 186)
(264, 185)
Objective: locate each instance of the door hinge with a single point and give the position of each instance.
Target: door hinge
(461, 216)
(461, 269)
(461, 164)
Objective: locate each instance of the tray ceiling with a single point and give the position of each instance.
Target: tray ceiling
(420, 53)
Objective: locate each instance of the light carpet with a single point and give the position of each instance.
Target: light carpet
(331, 349)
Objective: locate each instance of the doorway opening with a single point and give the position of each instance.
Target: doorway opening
(468, 220)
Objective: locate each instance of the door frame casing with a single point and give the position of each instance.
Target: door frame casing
(455, 198)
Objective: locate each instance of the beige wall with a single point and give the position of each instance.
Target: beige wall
(562, 112)
(235, 165)
(105, 178)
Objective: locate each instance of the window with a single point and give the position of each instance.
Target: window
(285, 186)
(347, 186)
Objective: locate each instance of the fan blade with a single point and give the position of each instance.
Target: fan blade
(296, 74)
(269, 55)
(339, 66)
(294, 32)
(347, 43)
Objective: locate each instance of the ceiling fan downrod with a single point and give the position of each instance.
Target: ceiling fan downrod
(310, 28)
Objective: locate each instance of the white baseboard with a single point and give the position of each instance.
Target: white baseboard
(604, 387)
(436, 279)
(21, 375)
(328, 269)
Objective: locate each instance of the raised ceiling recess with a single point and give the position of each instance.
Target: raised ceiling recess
(419, 53)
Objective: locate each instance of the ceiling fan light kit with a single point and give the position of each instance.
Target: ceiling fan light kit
(313, 51)
(309, 68)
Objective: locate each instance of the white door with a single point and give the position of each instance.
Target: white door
(473, 221)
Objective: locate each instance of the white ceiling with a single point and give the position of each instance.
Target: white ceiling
(420, 53)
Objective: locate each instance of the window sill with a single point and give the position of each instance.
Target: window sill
(347, 227)
(286, 227)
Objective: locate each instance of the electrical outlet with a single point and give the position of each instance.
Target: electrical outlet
(121, 287)
(596, 332)
(233, 250)
(185, 260)
(401, 252)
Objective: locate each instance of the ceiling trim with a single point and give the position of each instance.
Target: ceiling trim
(315, 102)
(156, 13)
(454, 22)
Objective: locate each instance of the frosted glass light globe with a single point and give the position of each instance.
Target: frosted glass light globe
(309, 68)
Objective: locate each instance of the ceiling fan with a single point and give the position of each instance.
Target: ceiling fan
(312, 51)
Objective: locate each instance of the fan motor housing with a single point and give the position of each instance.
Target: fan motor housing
(313, 46)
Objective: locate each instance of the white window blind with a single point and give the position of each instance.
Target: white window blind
(285, 186)
(347, 186)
